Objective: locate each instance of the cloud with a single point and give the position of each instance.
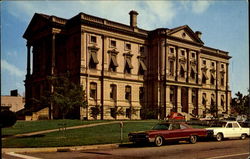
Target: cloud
(200, 6)
(151, 13)
(12, 69)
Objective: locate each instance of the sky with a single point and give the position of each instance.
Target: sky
(224, 26)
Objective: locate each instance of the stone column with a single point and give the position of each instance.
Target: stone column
(168, 107)
(188, 65)
(179, 107)
(190, 104)
(28, 59)
(227, 85)
(199, 102)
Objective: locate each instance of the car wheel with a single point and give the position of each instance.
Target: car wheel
(219, 137)
(243, 136)
(158, 141)
(192, 139)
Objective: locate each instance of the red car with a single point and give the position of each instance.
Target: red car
(163, 132)
(176, 116)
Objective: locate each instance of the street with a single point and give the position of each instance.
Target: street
(229, 149)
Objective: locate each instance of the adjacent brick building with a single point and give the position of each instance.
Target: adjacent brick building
(149, 73)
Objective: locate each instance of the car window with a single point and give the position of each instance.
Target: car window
(183, 126)
(235, 125)
(161, 127)
(229, 125)
(175, 126)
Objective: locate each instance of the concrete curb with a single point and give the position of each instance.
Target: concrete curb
(59, 149)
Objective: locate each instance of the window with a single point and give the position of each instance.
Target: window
(128, 65)
(182, 71)
(183, 126)
(142, 67)
(113, 63)
(112, 43)
(127, 46)
(171, 50)
(222, 101)
(193, 96)
(128, 93)
(222, 80)
(204, 100)
(204, 78)
(141, 49)
(212, 64)
(182, 52)
(235, 125)
(93, 60)
(193, 72)
(222, 66)
(212, 79)
(204, 62)
(93, 90)
(175, 126)
(93, 39)
(193, 55)
(113, 112)
(141, 94)
(128, 112)
(172, 90)
(171, 68)
(113, 91)
(229, 125)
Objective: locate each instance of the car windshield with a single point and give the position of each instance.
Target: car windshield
(161, 127)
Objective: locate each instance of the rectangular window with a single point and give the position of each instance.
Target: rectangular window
(93, 60)
(193, 55)
(113, 112)
(128, 112)
(127, 46)
(212, 64)
(182, 52)
(128, 93)
(93, 39)
(113, 63)
(113, 43)
(93, 90)
(222, 66)
(204, 62)
(141, 49)
(171, 50)
(172, 94)
(141, 94)
(113, 92)
(171, 68)
(128, 65)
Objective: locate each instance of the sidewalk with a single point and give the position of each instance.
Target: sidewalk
(60, 149)
(54, 130)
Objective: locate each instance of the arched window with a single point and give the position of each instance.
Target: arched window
(93, 90)
(128, 93)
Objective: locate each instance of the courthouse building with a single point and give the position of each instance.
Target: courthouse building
(142, 73)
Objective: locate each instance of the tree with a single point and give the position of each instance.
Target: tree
(67, 97)
(240, 103)
(7, 118)
(95, 111)
(117, 111)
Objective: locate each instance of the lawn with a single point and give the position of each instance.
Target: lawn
(102, 134)
(31, 126)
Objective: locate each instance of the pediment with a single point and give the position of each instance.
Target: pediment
(38, 22)
(185, 33)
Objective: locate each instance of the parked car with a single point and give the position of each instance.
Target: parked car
(167, 131)
(175, 116)
(228, 129)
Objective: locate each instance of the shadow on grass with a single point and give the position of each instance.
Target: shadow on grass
(32, 136)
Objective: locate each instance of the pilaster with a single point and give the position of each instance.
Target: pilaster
(179, 107)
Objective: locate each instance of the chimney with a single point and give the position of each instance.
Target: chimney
(133, 18)
(198, 33)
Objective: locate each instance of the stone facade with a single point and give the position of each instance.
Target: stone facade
(126, 68)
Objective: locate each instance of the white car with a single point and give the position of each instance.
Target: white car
(228, 129)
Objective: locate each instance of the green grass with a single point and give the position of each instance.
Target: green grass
(31, 126)
(103, 134)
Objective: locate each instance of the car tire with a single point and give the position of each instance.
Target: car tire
(219, 137)
(158, 141)
(243, 136)
(192, 139)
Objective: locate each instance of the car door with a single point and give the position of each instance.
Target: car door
(236, 130)
(229, 131)
(174, 131)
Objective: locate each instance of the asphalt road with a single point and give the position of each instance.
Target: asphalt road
(229, 149)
